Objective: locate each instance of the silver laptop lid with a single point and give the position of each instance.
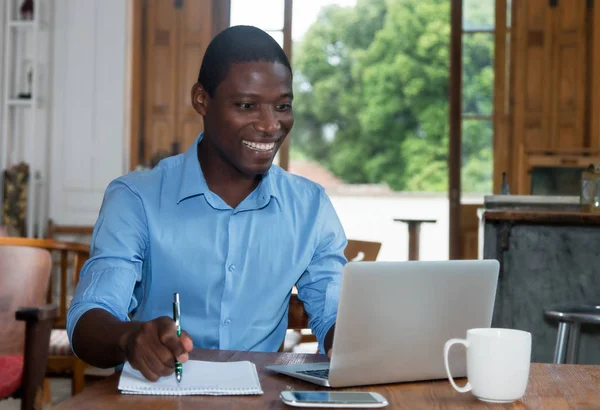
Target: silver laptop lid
(394, 318)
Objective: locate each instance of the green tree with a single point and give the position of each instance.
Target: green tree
(371, 86)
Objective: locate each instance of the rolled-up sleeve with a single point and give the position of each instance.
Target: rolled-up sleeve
(319, 286)
(117, 251)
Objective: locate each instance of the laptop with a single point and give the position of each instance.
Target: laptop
(395, 317)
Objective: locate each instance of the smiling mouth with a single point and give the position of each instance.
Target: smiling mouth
(259, 146)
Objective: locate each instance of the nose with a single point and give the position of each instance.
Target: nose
(267, 122)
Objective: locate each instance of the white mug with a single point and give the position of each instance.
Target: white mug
(498, 362)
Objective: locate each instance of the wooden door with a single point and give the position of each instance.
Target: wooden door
(175, 36)
(570, 86)
(551, 95)
(195, 32)
(160, 79)
(532, 92)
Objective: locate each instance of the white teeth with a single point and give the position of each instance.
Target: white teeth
(258, 146)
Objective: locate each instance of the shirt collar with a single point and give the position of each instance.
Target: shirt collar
(192, 179)
(193, 182)
(268, 188)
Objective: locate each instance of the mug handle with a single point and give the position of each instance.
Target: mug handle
(447, 346)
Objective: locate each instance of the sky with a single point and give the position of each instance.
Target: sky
(268, 14)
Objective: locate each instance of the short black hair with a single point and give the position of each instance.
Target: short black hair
(237, 44)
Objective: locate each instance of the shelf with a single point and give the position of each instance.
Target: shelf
(15, 102)
(21, 24)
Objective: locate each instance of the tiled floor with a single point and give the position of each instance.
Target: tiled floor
(60, 387)
(61, 390)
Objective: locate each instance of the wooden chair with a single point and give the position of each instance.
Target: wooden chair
(69, 258)
(24, 278)
(69, 233)
(362, 250)
(355, 251)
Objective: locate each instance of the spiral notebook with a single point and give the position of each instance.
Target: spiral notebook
(199, 377)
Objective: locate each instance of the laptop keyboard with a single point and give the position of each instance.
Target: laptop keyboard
(321, 374)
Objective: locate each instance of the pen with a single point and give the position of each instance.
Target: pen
(177, 319)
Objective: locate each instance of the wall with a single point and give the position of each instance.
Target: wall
(371, 218)
(2, 28)
(89, 115)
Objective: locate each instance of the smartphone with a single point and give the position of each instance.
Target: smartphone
(364, 400)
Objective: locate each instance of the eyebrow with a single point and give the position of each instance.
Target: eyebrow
(289, 95)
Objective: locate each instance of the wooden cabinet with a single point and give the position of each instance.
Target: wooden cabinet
(552, 89)
(469, 231)
(554, 67)
(173, 36)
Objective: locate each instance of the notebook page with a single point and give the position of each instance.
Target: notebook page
(199, 377)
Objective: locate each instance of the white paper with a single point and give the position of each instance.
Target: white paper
(198, 377)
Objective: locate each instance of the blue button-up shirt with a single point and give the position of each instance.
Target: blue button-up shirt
(163, 231)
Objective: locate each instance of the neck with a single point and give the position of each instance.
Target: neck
(222, 178)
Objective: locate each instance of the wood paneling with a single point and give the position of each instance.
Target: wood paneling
(532, 73)
(594, 113)
(554, 64)
(160, 77)
(195, 33)
(171, 40)
(469, 231)
(569, 64)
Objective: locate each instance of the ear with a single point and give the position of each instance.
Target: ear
(200, 99)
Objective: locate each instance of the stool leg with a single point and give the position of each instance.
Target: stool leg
(414, 239)
(573, 348)
(561, 342)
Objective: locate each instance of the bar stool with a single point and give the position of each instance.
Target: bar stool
(570, 317)
(414, 235)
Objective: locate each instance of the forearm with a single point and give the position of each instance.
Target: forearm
(99, 338)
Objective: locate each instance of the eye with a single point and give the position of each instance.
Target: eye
(244, 106)
(284, 107)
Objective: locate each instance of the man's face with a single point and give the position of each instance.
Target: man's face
(250, 115)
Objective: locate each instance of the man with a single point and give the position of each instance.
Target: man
(219, 224)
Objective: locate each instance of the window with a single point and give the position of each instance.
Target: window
(477, 96)
(270, 18)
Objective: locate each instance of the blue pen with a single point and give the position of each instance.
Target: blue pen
(177, 319)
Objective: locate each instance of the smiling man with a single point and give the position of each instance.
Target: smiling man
(219, 224)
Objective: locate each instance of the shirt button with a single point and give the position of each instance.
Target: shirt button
(227, 322)
(231, 268)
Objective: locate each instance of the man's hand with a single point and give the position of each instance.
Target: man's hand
(329, 353)
(153, 346)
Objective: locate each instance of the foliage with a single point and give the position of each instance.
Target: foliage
(371, 94)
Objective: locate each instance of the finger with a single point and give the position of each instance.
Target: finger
(160, 360)
(329, 353)
(183, 358)
(146, 368)
(186, 341)
(177, 345)
(173, 343)
(165, 356)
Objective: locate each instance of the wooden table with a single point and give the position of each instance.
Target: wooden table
(550, 387)
(414, 235)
